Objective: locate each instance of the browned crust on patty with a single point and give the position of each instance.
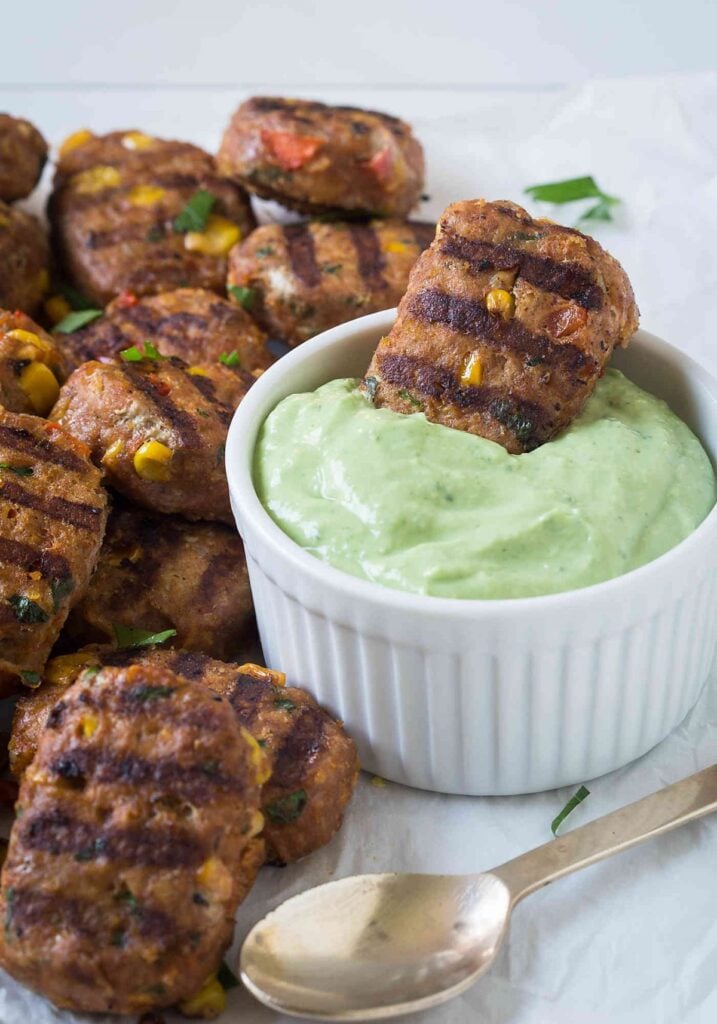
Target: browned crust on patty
(309, 277)
(53, 511)
(308, 751)
(24, 260)
(194, 324)
(109, 241)
(125, 864)
(23, 152)
(572, 304)
(361, 162)
(158, 572)
(117, 406)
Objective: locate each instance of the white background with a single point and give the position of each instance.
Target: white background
(376, 42)
(503, 95)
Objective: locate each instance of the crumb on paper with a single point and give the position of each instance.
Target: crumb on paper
(378, 782)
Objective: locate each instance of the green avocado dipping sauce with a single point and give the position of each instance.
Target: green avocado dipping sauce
(431, 510)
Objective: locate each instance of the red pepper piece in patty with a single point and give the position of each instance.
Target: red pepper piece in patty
(381, 164)
(289, 150)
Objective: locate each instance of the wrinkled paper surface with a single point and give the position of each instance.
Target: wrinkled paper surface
(632, 940)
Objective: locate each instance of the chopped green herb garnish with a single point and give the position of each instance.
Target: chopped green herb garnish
(152, 352)
(226, 977)
(18, 470)
(127, 636)
(194, 215)
(244, 296)
(95, 848)
(572, 190)
(221, 452)
(264, 250)
(135, 355)
(410, 398)
(31, 679)
(131, 355)
(60, 588)
(286, 808)
(332, 268)
(27, 610)
(371, 388)
(575, 799)
(126, 896)
(284, 703)
(148, 693)
(231, 359)
(154, 234)
(262, 743)
(79, 318)
(210, 767)
(76, 299)
(118, 938)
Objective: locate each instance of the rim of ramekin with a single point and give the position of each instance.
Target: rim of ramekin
(241, 442)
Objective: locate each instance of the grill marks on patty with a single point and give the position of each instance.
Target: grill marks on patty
(180, 420)
(302, 253)
(253, 698)
(22, 440)
(525, 418)
(370, 259)
(31, 559)
(71, 513)
(569, 280)
(56, 832)
(195, 783)
(33, 908)
(470, 317)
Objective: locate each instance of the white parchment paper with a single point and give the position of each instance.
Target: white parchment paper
(632, 940)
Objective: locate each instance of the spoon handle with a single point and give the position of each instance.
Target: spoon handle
(675, 805)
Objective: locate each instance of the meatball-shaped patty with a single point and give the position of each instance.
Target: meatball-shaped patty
(31, 365)
(314, 765)
(158, 429)
(192, 323)
(305, 278)
(506, 326)
(315, 158)
(23, 152)
(160, 572)
(23, 156)
(123, 870)
(52, 520)
(24, 260)
(146, 219)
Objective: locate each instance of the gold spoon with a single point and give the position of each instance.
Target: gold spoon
(378, 946)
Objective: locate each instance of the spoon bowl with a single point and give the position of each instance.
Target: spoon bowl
(376, 946)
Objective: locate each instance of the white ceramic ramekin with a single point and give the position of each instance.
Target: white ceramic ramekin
(484, 697)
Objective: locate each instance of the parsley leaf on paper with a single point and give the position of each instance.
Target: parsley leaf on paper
(572, 190)
(575, 799)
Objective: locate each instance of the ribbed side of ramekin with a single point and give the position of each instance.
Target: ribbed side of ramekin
(501, 721)
(484, 697)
